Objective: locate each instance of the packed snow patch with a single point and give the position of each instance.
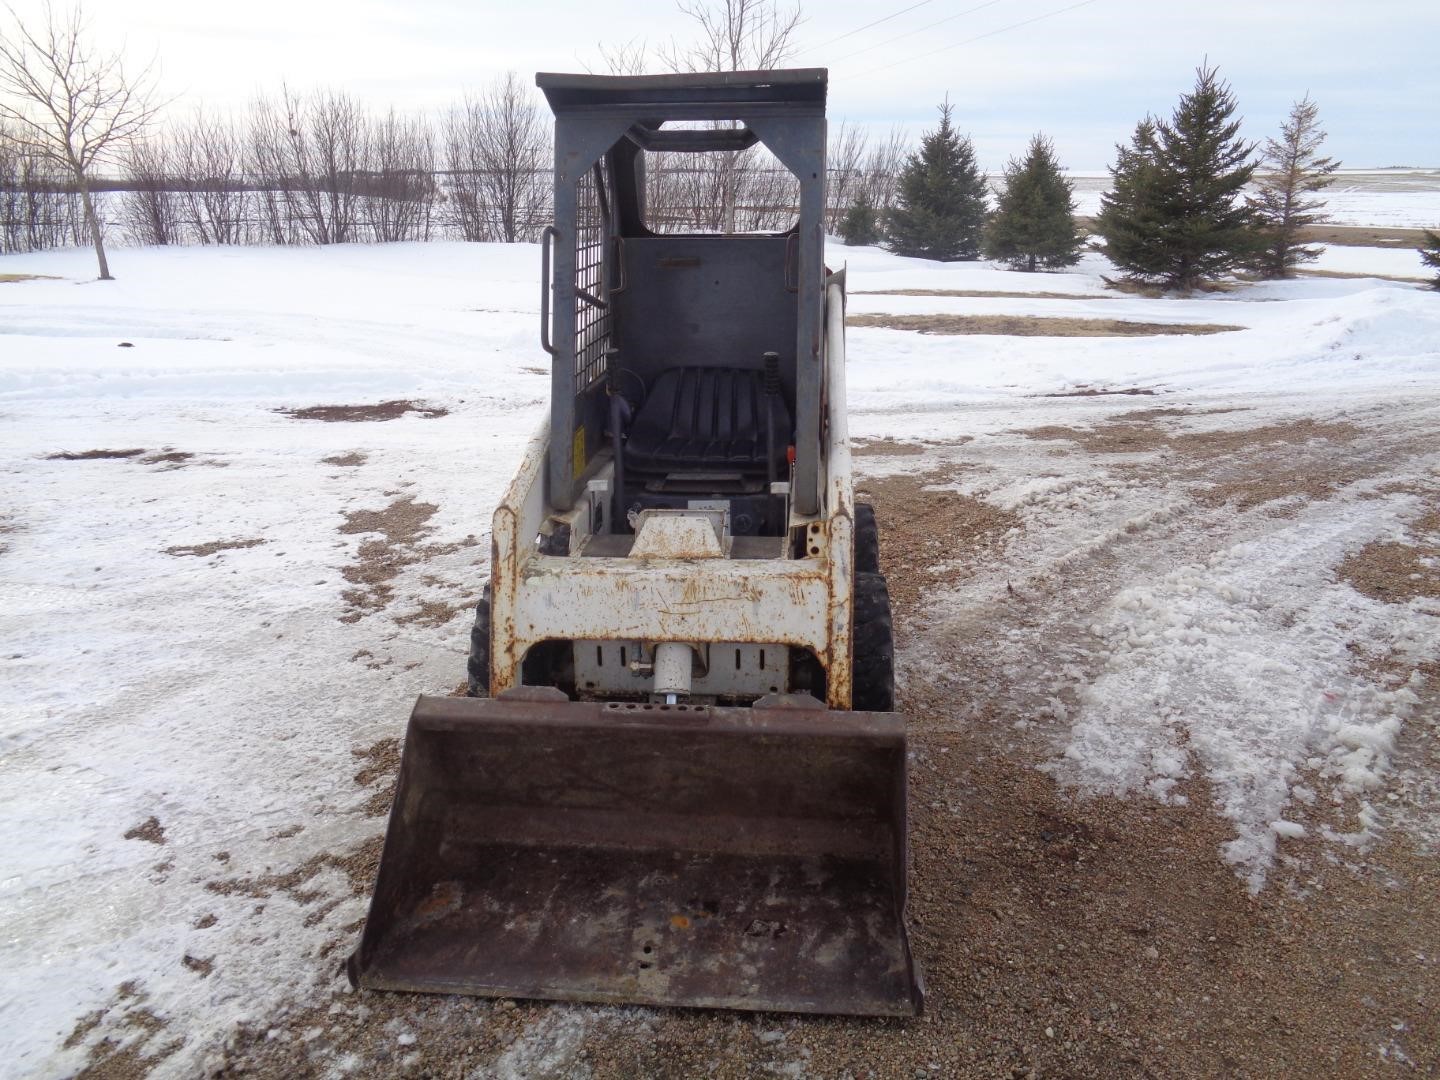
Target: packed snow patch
(1242, 670)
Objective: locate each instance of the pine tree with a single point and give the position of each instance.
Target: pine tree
(1430, 254)
(1181, 220)
(861, 223)
(1128, 211)
(939, 210)
(1291, 170)
(1033, 226)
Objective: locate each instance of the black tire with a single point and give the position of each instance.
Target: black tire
(873, 686)
(478, 666)
(867, 540)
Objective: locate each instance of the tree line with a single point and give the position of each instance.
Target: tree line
(319, 168)
(1190, 199)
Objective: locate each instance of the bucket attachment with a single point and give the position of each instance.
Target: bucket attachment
(665, 855)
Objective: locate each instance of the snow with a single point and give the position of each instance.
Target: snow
(1239, 664)
(224, 696)
(1392, 262)
(1385, 198)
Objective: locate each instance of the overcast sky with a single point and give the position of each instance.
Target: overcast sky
(1084, 76)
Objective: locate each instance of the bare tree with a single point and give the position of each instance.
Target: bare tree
(71, 102)
(497, 150)
(399, 186)
(209, 158)
(515, 150)
(148, 208)
(882, 168)
(1291, 170)
(325, 143)
(38, 209)
(266, 137)
(733, 35)
(845, 171)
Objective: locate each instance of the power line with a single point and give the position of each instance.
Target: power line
(977, 37)
(867, 26)
(920, 30)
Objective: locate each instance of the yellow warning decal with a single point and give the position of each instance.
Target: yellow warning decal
(577, 451)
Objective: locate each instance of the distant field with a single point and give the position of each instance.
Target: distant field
(1342, 235)
(1401, 199)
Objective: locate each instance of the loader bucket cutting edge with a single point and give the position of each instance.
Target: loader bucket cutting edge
(710, 857)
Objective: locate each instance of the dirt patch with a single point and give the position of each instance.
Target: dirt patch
(354, 414)
(1132, 432)
(1362, 236)
(1289, 433)
(929, 535)
(349, 461)
(401, 526)
(122, 1057)
(1356, 274)
(358, 867)
(150, 830)
(433, 613)
(1168, 413)
(982, 294)
(175, 457)
(1397, 573)
(1033, 325)
(887, 447)
(202, 966)
(403, 523)
(394, 1035)
(213, 547)
(1094, 391)
(535, 370)
(1107, 438)
(382, 767)
(93, 455)
(10, 279)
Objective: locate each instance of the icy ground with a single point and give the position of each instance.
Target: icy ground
(194, 649)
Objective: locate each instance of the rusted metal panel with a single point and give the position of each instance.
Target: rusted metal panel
(681, 534)
(733, 858)
(839, 532)
(673, 600)
(513, 529)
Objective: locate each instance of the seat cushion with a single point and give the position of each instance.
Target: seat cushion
(707, 418)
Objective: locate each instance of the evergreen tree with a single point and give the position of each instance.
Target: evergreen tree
(1430, 254)
(1291, 170)
(1033, 226)
(1181, 220)
(1128, 215)
(861, 223)
(939, 209)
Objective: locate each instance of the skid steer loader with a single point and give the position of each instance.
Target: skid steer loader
(678, 779)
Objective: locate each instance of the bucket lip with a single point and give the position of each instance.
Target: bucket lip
(904, 1006)
(777, 716)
